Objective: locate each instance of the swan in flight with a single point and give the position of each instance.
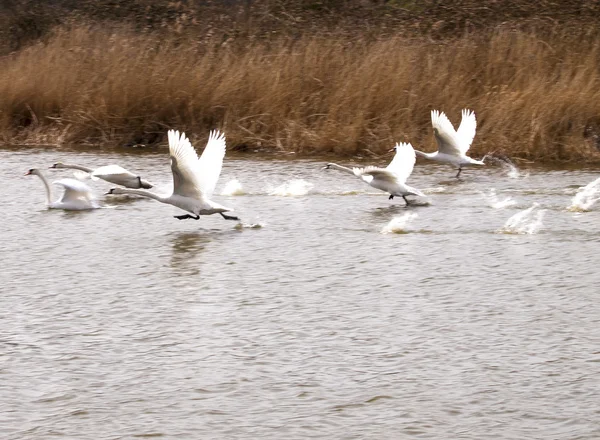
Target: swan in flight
(391, 179)
(77, 196)
(111, 173)
(194, 179)
(453, 145)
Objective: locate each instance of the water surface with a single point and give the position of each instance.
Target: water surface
(328, 312)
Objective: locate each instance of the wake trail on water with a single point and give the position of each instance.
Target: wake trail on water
(528, 221)
(586, 197)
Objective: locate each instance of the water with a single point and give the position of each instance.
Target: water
(328, 312)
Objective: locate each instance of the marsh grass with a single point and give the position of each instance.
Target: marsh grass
(535, 97)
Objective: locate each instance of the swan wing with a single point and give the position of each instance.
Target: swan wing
(381, 174)
(114, 174)
(184, 166)
(466, 130)
(74, 190)
(211, 162)
(403, 162)
(445, 135)
(115, 171)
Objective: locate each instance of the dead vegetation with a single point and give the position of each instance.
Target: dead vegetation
(536, 93)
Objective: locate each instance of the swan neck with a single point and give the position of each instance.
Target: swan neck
(141, 192)
(77, 167)
(423, 154)
(341, 168)
(48, 188)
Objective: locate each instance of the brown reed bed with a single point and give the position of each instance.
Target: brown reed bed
(535, 97)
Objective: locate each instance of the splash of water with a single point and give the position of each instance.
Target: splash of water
(586, 197)
(241, 226)
(399, 225)
(511, 169)
(233, 188)
(528, 221)
(296, 187)
(493, 201)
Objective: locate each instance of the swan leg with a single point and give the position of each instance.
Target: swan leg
(228, 217)
(406, 200)
(459, 170)
(186, 216)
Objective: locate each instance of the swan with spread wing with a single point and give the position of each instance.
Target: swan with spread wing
(453, 145)
(391, 179)
(194, 179)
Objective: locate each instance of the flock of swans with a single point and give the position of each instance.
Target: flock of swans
(195, 178)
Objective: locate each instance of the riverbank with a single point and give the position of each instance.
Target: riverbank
(536, 93)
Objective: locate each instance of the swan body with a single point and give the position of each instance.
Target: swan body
(77, 196)
(453, 145)
(194, 179)
(391, 179)
(110, 173)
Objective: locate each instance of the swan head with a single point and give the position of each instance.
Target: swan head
(58, 165)
(144, 183)
(33, 171)
(116, 191)
(328, 166)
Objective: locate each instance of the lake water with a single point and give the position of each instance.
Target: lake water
(329, 311)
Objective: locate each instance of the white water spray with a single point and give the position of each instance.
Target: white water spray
(399, 225)
(296, 187)
(528, 221)
(586, 197)
(233, 188)
(494, 202)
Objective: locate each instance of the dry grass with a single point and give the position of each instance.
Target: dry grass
(535, 98)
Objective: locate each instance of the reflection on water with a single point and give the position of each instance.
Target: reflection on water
(187, 248)
(128, 323)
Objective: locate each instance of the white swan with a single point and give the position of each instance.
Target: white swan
(194, 178)
(391, 179)
(111, 173)
(453, 145)
(77, 196)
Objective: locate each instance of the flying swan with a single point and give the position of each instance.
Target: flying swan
(111, 173)
(391, 179)
(194, 178)
(453, 145)
(77, 196)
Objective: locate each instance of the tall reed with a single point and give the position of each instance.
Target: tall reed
(535, 98)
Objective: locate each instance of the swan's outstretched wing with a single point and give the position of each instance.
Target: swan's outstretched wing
(382, 174)
(403, 162)
(184, 165)
(74, 190)
(193, 177)
(211, 162)
(112, 171)
(445, 135)
(466, 131)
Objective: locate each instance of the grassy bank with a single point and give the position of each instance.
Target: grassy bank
(536, 95)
